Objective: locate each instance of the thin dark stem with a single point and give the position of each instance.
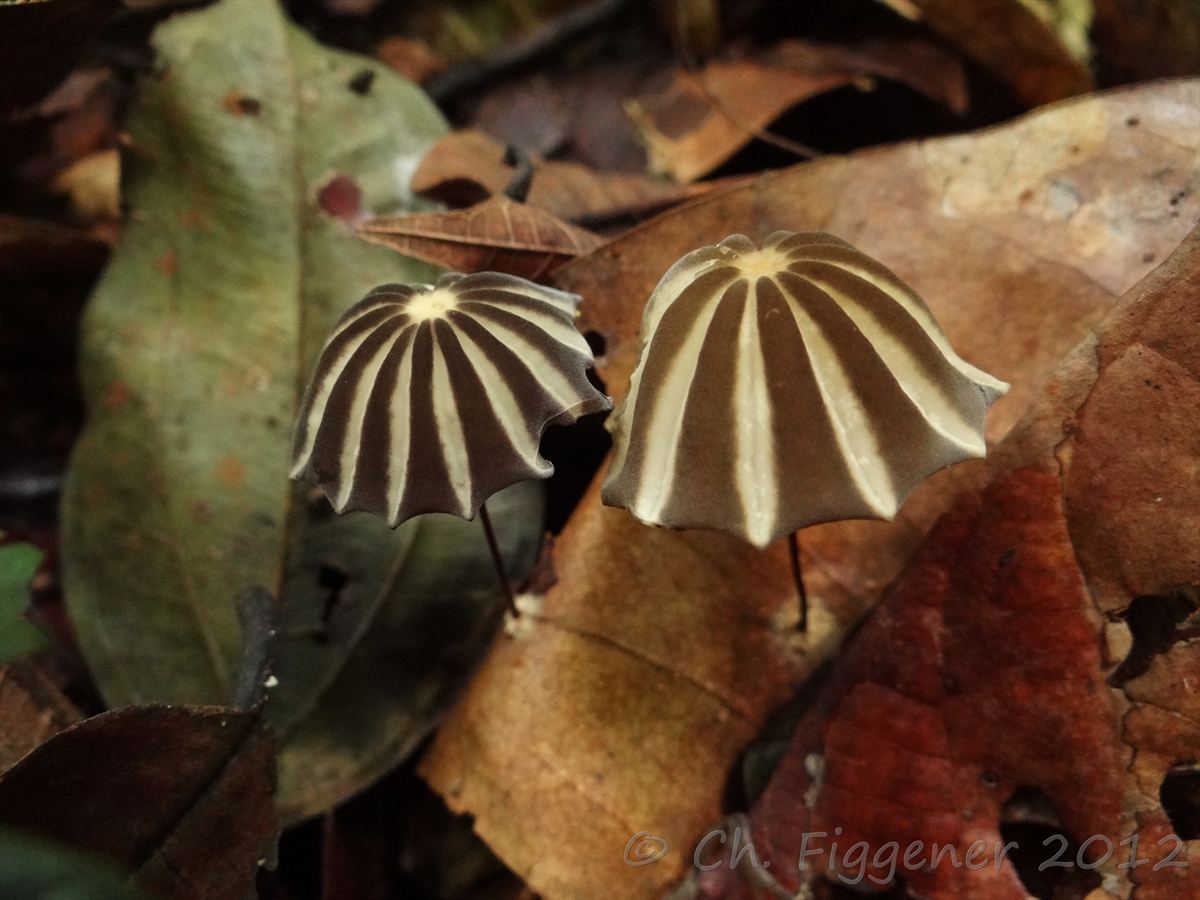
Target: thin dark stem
(495, 548)
(798, 577)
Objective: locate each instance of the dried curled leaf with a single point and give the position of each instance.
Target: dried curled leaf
(498, 235)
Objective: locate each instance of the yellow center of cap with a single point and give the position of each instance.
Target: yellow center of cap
(432, 305)
(762, 262)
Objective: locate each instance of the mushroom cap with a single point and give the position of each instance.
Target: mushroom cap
(782, 387)
(430, 398)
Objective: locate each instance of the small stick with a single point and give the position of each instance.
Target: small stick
(794, 547)
(495, 548)
(518, 188)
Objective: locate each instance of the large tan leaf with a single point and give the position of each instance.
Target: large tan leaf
(1030, 592)
(658, 654)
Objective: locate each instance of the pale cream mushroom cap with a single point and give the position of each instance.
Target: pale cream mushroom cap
(782, 387)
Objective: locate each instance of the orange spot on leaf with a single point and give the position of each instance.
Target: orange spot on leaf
(230, 470)
(240, 105)
(167, 263)
(118, 395)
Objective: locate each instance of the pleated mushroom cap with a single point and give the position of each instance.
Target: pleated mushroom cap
(432, 398)
(782, 387)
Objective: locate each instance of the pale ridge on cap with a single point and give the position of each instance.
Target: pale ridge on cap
(783, 387)
(430, 398)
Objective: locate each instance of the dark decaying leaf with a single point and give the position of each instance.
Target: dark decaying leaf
(181, 797)
(195, 347)
(400, 833)
(1137, 40)
(1035, 594)
(498, 235)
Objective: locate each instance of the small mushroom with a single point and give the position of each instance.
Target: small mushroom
(787, 386)
(430, 398)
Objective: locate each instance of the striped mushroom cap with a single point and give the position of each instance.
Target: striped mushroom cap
(430, 398)
(782, 387)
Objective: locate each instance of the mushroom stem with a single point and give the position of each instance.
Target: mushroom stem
(794, 547)
(495, 548)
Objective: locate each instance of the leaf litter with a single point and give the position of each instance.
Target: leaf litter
(638, 639)
(653, 683)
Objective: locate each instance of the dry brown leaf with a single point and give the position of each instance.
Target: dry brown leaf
(181, 796)
(467, 167)
(701, 119)
(658, 653)
(498, 235)
(1026, 689)
(32, 709)
(412, 58)
(1040, 47)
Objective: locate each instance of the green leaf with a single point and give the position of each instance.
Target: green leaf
(35, 869)
(18, 564)
(196, 346)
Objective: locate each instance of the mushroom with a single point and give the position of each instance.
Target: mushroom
(787, 386)
(430, 398)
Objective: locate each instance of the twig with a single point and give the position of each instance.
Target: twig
(256, 614)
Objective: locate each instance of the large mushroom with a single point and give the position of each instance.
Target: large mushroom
(430, 398)
(787, 386)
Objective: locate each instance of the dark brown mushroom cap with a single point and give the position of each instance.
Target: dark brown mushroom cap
(782, 387)
(430, 398)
